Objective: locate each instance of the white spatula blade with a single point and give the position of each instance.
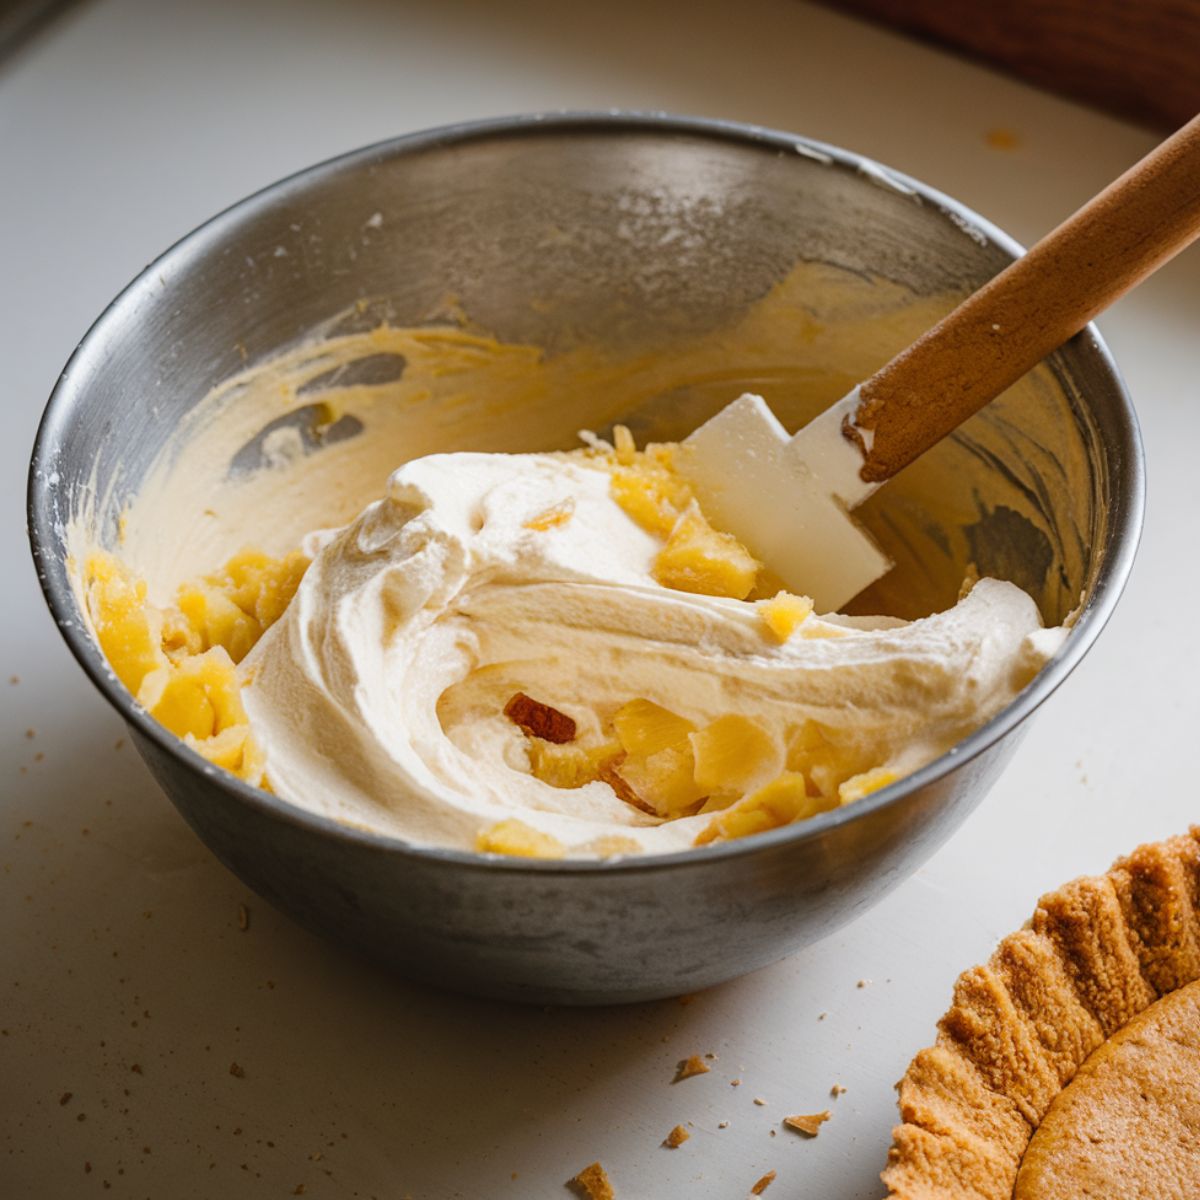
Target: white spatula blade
(786, 499)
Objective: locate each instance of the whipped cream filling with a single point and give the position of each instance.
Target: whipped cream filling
(379, 696)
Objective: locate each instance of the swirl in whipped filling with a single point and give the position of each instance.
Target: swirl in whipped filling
(488, 658)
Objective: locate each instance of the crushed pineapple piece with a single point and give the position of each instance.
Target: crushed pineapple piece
(515, 838)
(862, 785)
(659, 766)
(233, 606)
(826, 764)
(217, 619)
(665, 780)
(784, 613)
(179, 662)
(197, 696)
(568, 765)
(653, 496)
(554, 516)
(698, 559)
(734, 754)
(223, 749)
(128, 629)
(644, 727)
(783, 800)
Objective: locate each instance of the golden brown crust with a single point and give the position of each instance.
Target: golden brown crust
(1096, 953)
(1127, 1123)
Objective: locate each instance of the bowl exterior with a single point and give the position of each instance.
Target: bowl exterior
(591, 936)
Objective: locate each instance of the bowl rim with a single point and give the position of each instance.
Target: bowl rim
(1124, 463)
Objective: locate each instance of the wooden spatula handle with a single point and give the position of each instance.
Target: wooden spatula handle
(1033, 306)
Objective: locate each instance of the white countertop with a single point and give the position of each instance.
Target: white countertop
(124, 978)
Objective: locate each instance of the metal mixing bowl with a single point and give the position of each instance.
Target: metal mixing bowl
(660, 227)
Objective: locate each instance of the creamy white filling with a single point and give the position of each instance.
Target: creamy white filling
(379, 696)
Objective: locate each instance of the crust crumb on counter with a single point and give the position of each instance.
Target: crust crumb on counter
(676, 1138)
(808, 1124)
(764, 1183)
(592, 1183)
(693, 1065)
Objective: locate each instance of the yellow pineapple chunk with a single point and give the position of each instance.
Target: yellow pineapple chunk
(784, 613)
(698, 559)
(179, 636)
(567, 764)
(644, 727)
(654, 497)
(862, 785)
(826, 764)
(665, 780)
(225, 749)
(782, 801)
(128, 629)
(734, 755)
(233, 606)
(515, 838)
(217, 619)
(197, 696)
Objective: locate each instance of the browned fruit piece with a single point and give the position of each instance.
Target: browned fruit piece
(540, 720)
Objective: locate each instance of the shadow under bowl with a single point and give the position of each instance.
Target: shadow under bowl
(642, 229)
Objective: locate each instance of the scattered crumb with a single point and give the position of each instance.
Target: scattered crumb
(862, 983)
(119, 744)
(236, 1071)
(592, 1183)
(136, 1068)
(808, 1124)
(772, 1132)
(31, 733)
(1001, 138)
(822, 1016)
(764, 1183)
(39, 757)
(243, 918)
(837, 1090)
(735, 1083)
(14, 680)
(676, 1138)
(65, 1098)
(722, 1124)
(760, 1102)
(694, 1065)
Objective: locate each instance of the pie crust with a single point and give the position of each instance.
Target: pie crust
(1066, 990)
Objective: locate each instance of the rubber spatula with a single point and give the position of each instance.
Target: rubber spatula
(788, 499)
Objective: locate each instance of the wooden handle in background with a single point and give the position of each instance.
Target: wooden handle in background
(1110, 245)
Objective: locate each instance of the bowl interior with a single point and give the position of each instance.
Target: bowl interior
(501, 287)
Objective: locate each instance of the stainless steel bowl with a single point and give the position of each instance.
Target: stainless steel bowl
(467, 210)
